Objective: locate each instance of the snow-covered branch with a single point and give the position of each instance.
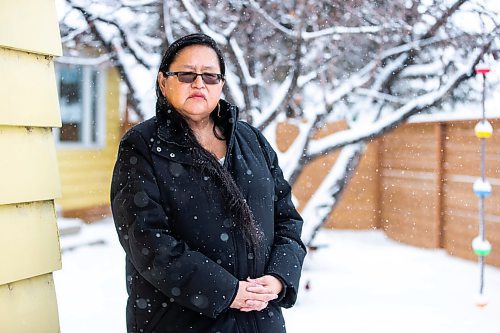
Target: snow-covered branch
(270, 111)
(341, 31)
(139, 3)
(167, 23)
(134, 48)
(91, 18)
(119, 59)
(443, 19)
(423, 70)
(73, 34)
(84, 61)
(306, 35)
(321, 204)
(380, 96)
(413, 45)
(270, 20)
(296, 150)
(365, 131)
(114, 51)
(388, 61)
(247, 77)
(199, 18)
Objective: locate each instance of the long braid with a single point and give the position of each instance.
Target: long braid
(207, 164)
(234, 202)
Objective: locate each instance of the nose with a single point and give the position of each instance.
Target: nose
(198, 82)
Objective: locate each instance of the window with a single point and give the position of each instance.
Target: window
(81, 100)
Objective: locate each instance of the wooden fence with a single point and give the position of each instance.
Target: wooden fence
(415, 183)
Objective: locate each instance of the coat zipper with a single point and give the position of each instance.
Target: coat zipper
(230, 145)
(236, 266)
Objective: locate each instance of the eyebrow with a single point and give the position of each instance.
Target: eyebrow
(193, 67)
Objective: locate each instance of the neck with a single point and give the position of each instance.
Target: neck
(202, 127)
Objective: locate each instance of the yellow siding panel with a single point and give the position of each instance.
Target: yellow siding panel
(28, 92)
(29, 238)
(30, 26)
(86, 174)
(29, 306)
(29, 169)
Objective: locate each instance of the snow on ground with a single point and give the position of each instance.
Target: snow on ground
(360, 282)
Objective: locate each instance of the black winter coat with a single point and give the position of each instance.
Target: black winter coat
(183, 257)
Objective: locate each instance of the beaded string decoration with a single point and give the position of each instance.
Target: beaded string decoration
(482, 188)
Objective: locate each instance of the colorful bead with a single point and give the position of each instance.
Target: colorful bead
(483, 129)
(482, 70)
(482, 188)
(481, 300)
(481, 247)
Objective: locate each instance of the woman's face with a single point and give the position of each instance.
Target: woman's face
(196, 100)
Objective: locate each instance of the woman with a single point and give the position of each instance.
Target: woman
(201, 208)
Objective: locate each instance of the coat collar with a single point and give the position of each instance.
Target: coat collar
(171, 133)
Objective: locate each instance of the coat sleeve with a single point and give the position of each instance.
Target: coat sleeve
(288, 250)
(188, 277)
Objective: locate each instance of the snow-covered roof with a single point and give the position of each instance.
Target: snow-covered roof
(472, 111)
(463, 114)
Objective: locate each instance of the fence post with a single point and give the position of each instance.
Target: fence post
(440, 181)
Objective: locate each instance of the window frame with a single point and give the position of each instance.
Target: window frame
(100, 112)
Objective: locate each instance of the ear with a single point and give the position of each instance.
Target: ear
(162, 82)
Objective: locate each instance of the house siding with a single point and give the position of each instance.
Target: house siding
(86, 172)
(29, 241)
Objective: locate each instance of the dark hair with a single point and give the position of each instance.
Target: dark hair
(183, 42)
(206, 163)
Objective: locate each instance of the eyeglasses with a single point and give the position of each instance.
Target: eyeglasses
(189, 77)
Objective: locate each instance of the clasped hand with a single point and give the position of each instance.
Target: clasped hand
(255, 294)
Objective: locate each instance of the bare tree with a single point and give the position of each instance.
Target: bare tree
(370, 63)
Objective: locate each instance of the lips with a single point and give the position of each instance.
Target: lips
(197, 95)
